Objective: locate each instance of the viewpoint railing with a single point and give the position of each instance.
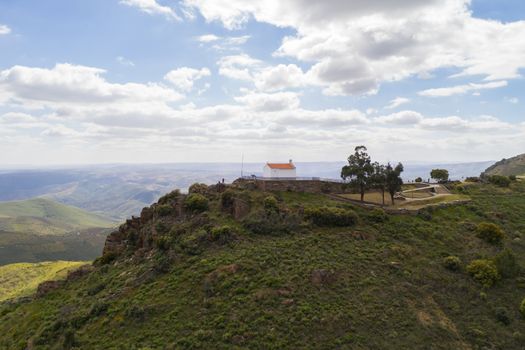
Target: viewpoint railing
(322, 179)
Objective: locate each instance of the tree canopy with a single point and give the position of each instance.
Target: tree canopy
(441, 175)
(364, 175)
(359, 170)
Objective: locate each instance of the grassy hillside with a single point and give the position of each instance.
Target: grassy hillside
(507, 167)
(288, 276)
(18, 280)
(43, 216)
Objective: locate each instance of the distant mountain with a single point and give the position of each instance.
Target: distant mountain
(45, 217)
(507, 167)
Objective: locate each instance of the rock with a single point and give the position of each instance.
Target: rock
(81, 271)
(320, 278)
(287, 302)
(241, 208)
(146, 215)
(48, 286)
(115, 242)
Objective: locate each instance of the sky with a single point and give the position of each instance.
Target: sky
(150, 81)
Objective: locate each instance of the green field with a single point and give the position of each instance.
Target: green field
(378, 284)
(44, 217)
(18, 280)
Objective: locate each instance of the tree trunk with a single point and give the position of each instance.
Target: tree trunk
(392, 195)
(383, 197)
(362, 196)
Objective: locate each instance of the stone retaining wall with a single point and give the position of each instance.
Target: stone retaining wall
(308, 186)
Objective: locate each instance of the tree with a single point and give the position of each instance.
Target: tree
(378, 179)
(418, 179)
(393, 179)
(441, 175)
(359, 170)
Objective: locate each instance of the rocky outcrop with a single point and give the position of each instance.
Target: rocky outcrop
(47, 287)
(80, 272)
(139, 232)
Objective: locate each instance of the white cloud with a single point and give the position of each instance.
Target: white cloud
(354, 46)
(462, 89)
(76, 106)
(398, 101)
(208, 38)
(279, 77)
(513, 100)
(237, 40)
(125, 62)
(4, 30)
(17, 117)
(237, 66)
(67, 84)
(401, 118)
(227, 43)
(152, 7)
(263, 102)
(183, 78)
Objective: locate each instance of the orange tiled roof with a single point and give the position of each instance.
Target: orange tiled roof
(284, 166)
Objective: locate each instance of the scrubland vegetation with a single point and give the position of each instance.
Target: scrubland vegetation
(297, 270)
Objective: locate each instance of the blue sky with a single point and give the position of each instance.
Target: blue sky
(200, 80)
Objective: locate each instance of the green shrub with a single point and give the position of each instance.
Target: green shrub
(68, 341)
(96, 289)
(483, 271)
(161, 228)
(98, 308)
(522, 307)
(223, 234)
(499, 180)
(272, 223)
(198, 188)
(106, 258)
(513, 177)
(472, 179)
(452, 263)
(419, 179)
(507, 264)
(162, 263)
(169, 197)
(330, 216)
(227, 199)
(490, 233)
(196, 203)
(377, 215)
(135, 313)
(164, 209)
(502, 315)
(163, 242)
(270, 203)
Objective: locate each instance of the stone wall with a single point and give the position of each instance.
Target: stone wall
(308, 186)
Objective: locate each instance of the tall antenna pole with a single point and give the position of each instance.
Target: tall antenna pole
(242, 166)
